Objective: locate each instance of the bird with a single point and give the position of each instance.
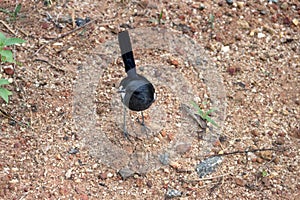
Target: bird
(137, 92)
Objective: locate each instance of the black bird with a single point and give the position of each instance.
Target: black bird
(137, 93)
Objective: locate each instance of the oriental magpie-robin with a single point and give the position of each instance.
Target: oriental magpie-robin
(137, 93)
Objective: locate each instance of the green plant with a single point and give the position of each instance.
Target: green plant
(160, 17)
(158, 20)
(211, 20)
(12, 14)
(264, 173)
(4, 93)
(205, 115)
(6, 55)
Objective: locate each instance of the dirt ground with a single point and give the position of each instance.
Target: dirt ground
(255, 48)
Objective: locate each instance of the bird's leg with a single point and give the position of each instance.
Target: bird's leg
(125, 132)
(142, 123)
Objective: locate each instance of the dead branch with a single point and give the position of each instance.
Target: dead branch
(64, 35)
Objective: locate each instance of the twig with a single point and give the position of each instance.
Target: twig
(45, 61)
(206, 179)
(214, 177)
(64, 35)
(8, 116)
(7, 26)
(246, 151)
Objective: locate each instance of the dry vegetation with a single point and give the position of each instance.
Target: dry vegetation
(255, 46)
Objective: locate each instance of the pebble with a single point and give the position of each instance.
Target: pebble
(208, 166)
(9, 70)
(295, 22)
(273, 1)
(183, 148)
(225, 49)
(261, 35)
(125, 173)
(102, 28)
(263, 12)
(10, 80)
(266, 155)
(171, 193)
(109, 175)
(240, 182)
(280, 141)
(284, 6)
(68, 173)
(240, 4)
(229, 2)
(243, 24)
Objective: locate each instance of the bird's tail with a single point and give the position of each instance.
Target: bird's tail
(126, 51)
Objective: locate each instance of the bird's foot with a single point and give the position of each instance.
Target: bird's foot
(126, 134)
(143, 125)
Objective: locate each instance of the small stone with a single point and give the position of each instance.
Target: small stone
(240, 4)
(149, 184)
(103, 176)
(280, 141)
(171, 136)
(284, 6)
(9, 70)
(261, 35)
(109, 175)
(126, 173)
(225, 49)
(174, 62)
(270, 133)
(295, 22)
(229, 2)
(254, 133)
(252, 33)
(68, 173)
(156, 140)
(102, 28)
(183, 148)
(266, 155)
(166, 170)
(276, 160)
(74, 150)
(139, 182)
(171, 193)
(10, 80)
(163, 133)
(273, 1)
(174, 165)
(259, 160)
(240, 182)
(263, 12)
(281, 134)
(58, 157)
(266, 181)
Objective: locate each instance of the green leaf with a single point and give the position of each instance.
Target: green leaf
(210, 111)
(2, 37)
(17, 9)
(3, 82)
(12, 41)
(211, 121)
(4, 93)
(7, 56)
(5, 11)
(264, 173)
(200, 112)
(205, 115)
